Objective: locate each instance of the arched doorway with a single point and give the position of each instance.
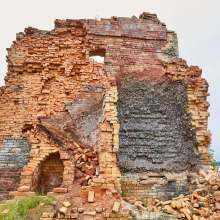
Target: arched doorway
(51, 174)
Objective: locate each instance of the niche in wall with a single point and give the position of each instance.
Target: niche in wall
(51, 173)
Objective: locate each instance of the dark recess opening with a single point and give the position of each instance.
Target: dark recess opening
(51, 174)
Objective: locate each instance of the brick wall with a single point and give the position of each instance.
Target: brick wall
(163, 185)
(54, 93)
(14, 155)
(9, 181)
(155, 128)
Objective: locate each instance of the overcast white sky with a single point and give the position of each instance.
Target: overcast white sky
(196, 22)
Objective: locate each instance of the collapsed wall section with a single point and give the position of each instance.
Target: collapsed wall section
(144, 103)
(46, 72)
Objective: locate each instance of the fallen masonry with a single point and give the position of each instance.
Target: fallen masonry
(122, 139)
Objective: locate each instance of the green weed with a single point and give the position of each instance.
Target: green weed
(20, 209)
(146, 203)
(211, 153)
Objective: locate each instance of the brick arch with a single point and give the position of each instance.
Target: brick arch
(32, 172)
(50, 173)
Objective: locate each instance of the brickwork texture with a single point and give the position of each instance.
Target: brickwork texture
(136, 123)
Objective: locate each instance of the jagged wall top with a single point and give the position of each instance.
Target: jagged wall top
(147, 27)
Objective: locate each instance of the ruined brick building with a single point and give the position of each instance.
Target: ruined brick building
(136, 123)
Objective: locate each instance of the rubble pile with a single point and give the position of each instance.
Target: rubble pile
(89, 203)
(203, 203)
(86, 161)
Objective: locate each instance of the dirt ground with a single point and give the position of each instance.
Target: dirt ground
(104, 198)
